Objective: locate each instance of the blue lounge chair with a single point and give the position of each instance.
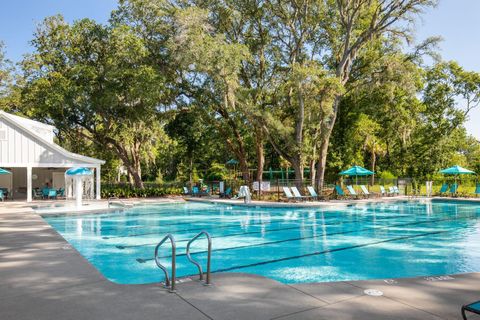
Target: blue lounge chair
(227, 193)
(339, 192)
(444, 188)
(477, 190)
(298, 195)
(472, 307)
(195, 192)
(313, 193)
(453, 189)
(352, 192)
(288, 193)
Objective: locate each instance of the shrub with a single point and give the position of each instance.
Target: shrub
(127, 191)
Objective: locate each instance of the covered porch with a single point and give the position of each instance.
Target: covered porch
(25, 182)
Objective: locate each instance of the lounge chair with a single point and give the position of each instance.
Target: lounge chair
(352, 192)
(477, 190)
(473, 307)
(339, 191)
(288, 193)
(298, 195)
(383, 192)
(195, 192)
(391, 191)
(444, 188)
(396, 190)
(453, 189)
(313, 193)
(185, 191)
(227, 193)
(365, 191)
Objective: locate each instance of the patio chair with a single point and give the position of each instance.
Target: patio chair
(195, 191)
(313, 193)
(477, 190)
(453, 189)
(185, 191)
(339, 191)
(61, 193)
(352, 192)
(288, 193)
(298, 195)
(444, 188)
(473, 307)
(365, 191)
(391, 191)
(396, 190)
(45, 192)
(383, 192)
(52, 194)
(2, 195)
(37, 194)
(227, 193)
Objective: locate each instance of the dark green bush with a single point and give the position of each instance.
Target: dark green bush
(127, 191)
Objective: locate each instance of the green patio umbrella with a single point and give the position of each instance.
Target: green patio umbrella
(3, 171)
(356, 171)
(456, 171)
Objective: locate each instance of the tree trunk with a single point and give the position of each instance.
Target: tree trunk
(325, 140)
(298, 168)
(374, 160)
(312, 172)
(260, 159)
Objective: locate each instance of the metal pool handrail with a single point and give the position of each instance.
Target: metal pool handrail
(168, 282)
(200, 271)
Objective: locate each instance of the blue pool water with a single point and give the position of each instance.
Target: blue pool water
(291, 245)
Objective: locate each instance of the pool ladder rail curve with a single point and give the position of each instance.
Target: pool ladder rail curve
(118, 201)
(170, 282)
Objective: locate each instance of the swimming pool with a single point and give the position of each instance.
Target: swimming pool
(291, 245)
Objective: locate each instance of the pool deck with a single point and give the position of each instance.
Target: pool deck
(43, 277)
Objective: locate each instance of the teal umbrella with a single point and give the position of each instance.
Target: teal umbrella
(356, 171)
(232, 162)
(79, 171)
(3, 171)
(456, 171)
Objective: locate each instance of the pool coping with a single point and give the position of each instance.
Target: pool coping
(59, 282)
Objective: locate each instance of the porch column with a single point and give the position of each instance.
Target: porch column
(97, 189)
(29, 184)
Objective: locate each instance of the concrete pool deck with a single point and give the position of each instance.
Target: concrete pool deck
(43, 277)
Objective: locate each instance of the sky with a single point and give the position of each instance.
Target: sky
(456, 21)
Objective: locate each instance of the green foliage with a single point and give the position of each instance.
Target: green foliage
(127, 191)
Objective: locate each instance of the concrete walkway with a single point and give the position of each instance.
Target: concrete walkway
(43, 277)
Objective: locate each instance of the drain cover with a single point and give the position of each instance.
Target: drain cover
(373, 292)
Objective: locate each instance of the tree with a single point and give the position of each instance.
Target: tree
(95, 81)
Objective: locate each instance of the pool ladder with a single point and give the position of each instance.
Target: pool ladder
(170, 282)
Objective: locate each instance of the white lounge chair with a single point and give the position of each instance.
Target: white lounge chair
(298, 195)
(352, 192)
(288, 193)
(313, 193)
(365, 191)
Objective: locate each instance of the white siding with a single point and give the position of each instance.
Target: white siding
(20, 150)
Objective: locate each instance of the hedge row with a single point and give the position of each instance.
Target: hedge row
(131, 192)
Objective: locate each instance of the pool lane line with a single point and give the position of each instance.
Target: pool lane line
(222, 227)
(143, 260)
(252, 232)
(316, 253)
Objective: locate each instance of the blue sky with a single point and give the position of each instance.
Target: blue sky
(455, 20)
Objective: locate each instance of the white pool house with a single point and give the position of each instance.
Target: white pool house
(28, 151)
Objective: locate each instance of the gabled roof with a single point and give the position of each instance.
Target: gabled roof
(20, 123)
